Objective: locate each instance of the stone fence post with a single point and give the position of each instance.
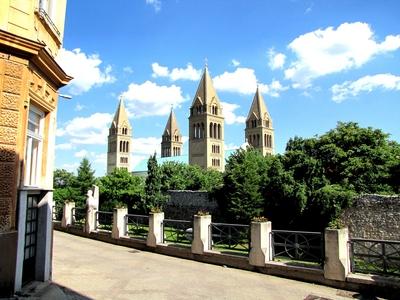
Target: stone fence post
(260, 243)
(155, 235)
(67, 214)
(337, 257)
(201, 234)
(118, 225)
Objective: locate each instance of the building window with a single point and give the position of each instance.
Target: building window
(34, 144)
(48, 12)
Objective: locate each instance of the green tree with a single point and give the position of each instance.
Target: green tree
(121, 188)
(63, 184)
(173, 176)
(153, 196)
(285, 198)
(85, 180)
(243, 176)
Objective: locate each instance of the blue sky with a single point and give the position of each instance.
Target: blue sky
(316, 62)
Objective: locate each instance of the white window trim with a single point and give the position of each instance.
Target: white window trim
(33, 179)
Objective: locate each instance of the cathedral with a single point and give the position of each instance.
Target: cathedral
(119, 140)
(206, 131)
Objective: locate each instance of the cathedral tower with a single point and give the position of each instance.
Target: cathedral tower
(206, 127)
(119, 141)
(259, 131)
(171, 144)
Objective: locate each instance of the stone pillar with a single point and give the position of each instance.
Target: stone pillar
(155, 235)
(118, 226)
(337, 258)
(201, 234)
(260, 243)
(67, 214)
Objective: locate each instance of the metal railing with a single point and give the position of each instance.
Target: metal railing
(137, 226)
(78, 215)
(231, 237)
(177, 231)
(375, 256)
(57, 212)
(298, 245)
(104, 220)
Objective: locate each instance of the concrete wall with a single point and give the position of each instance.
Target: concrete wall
(184, 204)
(374, 217)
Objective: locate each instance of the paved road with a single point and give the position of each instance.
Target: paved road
(99, 270)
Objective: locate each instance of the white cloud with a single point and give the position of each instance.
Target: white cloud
(79, 107)
(276, 60)
(64, 146)
(231, 146)
(188, 73)
(85, 69)
(159, 71)
(81, 154)
(273, 89)
(244, 81)
(330, 50)
(92, 130)
(155, 3)
(235, 62)
(341, 92)
(70, 167)
(150, 99)
(309, 8)
(229, 114)
(147, 145)
(142, 148)
(128, 70)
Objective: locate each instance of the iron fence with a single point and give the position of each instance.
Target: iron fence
(298, 245)
(104, 220)
(57, 212)
(375, 256)
(231, 237)
(177, 231)
(137, 226)
(78, 216)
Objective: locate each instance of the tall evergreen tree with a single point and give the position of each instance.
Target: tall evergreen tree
(85, 180)
(153, 195)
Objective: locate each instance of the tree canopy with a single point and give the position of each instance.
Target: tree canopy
(121, 188)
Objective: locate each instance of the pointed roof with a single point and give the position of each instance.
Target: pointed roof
(258, 107)
(206, 91)
(121, 116)
(172, 125)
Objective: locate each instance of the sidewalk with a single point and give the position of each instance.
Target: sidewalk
(99, 270)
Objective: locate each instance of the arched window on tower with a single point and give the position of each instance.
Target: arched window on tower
(120, 146)
(215, 130)
(202, 130)
(211, 131)
(219, 131)
(265, 140)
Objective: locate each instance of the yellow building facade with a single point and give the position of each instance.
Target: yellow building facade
(31, 33)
